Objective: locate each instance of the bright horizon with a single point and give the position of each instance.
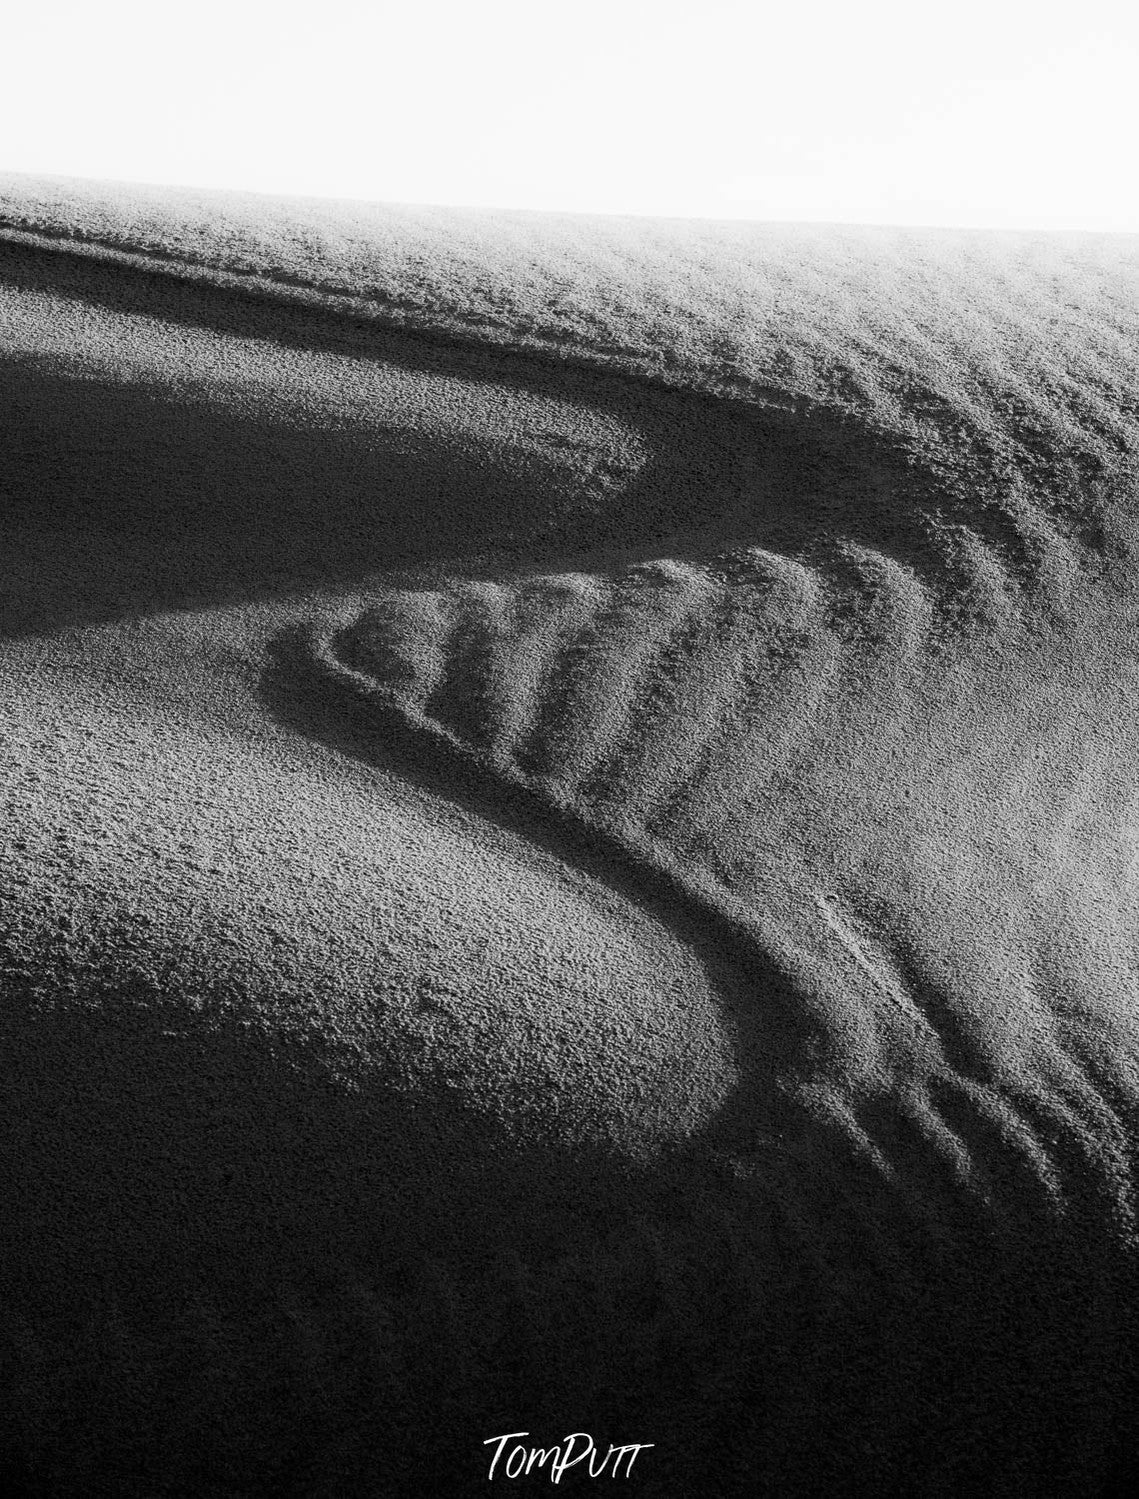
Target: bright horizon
(995, 115)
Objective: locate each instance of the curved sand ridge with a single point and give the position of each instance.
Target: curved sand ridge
(632, 714)
(777, 589)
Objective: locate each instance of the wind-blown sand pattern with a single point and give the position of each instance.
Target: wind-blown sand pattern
(570, 850)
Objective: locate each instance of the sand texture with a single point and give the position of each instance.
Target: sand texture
(570, 850)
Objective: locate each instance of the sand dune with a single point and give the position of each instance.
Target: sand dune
(569, 849)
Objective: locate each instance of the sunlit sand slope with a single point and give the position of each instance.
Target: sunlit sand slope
(570, 849)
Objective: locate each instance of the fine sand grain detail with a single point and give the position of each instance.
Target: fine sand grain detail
(570, 850)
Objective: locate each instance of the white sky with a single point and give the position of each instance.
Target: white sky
(999, 113)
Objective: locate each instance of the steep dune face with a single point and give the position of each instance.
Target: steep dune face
(568, 798)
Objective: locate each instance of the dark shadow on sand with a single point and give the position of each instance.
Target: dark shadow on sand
(236, 1275)
(229, 1274)
(123, 498)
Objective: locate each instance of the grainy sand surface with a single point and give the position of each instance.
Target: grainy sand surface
(570, 850)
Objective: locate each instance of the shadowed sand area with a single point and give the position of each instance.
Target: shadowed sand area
(569, 850)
